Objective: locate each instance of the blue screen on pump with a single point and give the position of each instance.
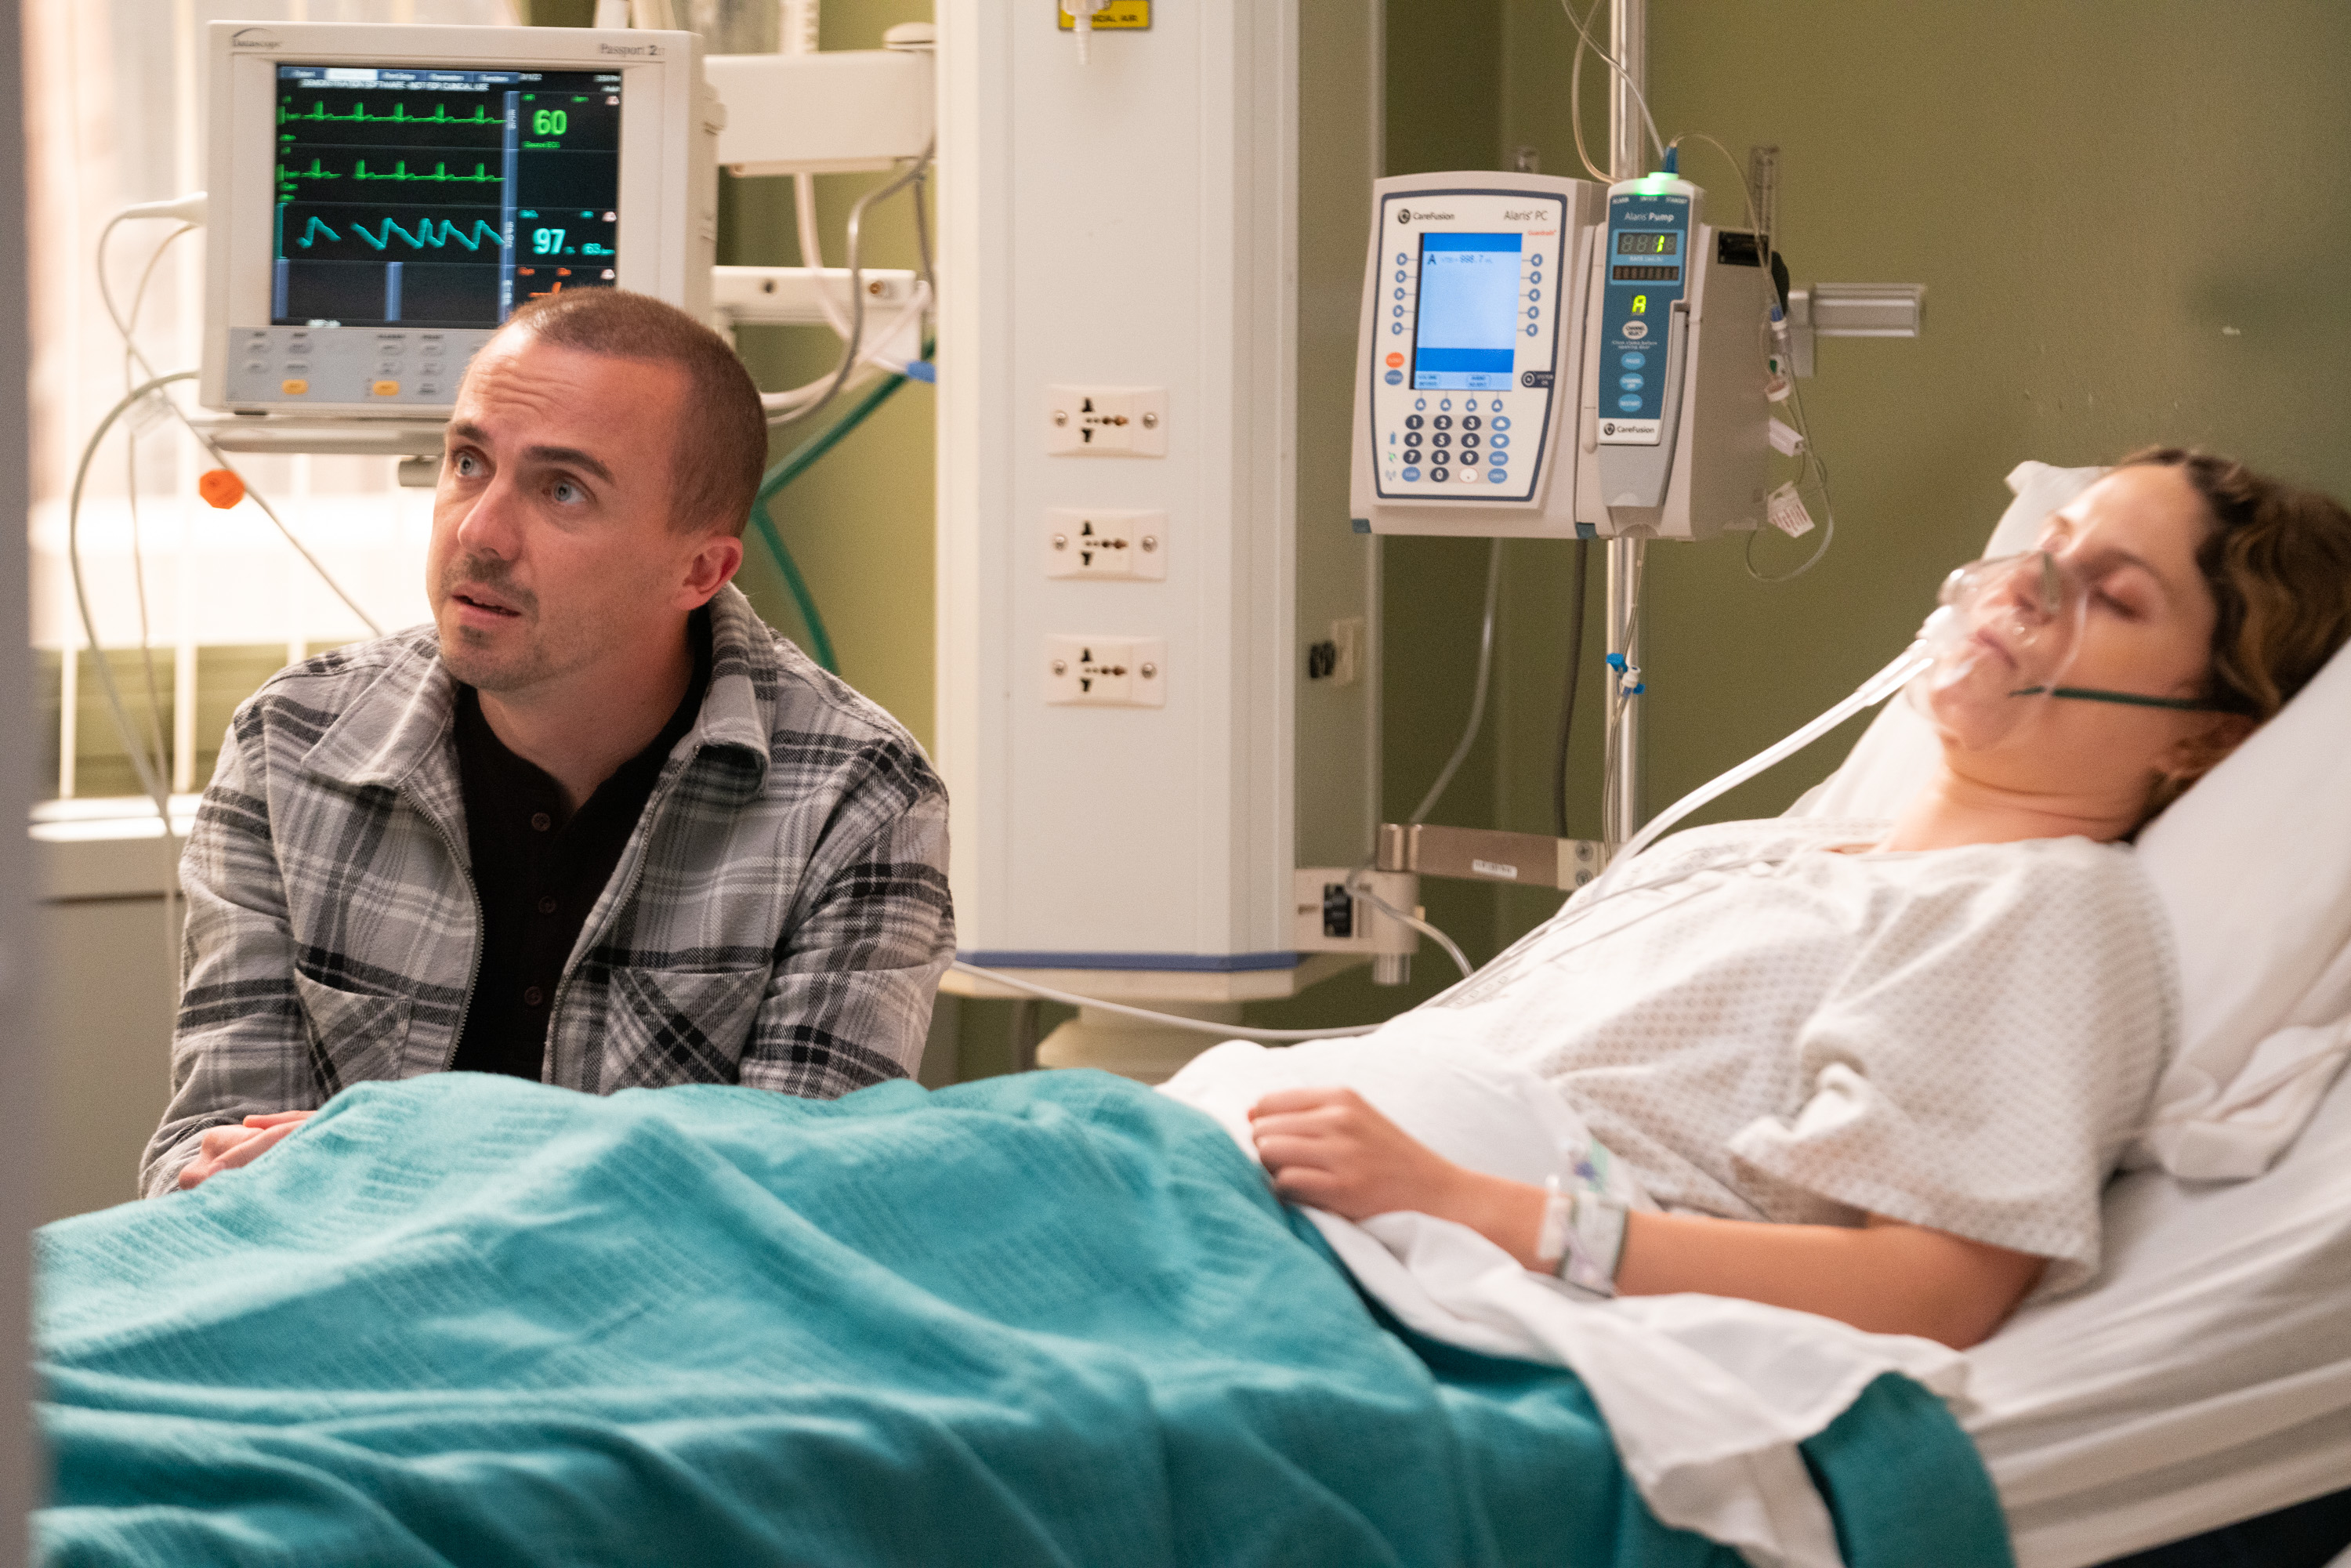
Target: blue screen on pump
(1467, 332)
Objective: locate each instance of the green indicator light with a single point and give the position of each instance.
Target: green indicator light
(1654, 184)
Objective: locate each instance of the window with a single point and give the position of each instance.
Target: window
(112, 116)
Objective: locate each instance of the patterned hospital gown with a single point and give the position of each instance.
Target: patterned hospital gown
(1764, 1027)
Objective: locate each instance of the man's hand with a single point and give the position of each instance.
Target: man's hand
(225, 1148)
(1328, 1149)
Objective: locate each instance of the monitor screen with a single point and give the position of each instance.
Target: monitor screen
(423, 197)
(1467, 335)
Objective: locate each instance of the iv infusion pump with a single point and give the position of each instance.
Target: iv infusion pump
(1549, 357)
(380, 197)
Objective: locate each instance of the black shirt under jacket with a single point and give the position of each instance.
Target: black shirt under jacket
(539, 871)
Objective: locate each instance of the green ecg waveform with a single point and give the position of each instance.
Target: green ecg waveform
(440, 172)
(480, 176)
(444, 232)
(399, 115)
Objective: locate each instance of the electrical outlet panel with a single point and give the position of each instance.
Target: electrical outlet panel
(1328, 919)
(1106, 671)
(1097, 542)
(1106, 422)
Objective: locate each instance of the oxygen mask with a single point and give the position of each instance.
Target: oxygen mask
(2002, 636)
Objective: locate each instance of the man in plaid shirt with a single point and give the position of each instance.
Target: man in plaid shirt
(598, 825)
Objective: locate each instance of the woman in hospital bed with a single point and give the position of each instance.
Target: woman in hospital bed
(1881, 1070)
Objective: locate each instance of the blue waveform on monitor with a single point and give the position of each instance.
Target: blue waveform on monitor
(427, 232)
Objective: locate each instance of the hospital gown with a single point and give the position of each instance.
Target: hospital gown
(1764, 1027)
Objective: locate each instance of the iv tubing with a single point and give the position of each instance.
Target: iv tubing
(1869, 693)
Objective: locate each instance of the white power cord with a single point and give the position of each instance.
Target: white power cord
(1198, 1026)
(135, 746)
(800, 401)
(1478, 696)
(1575, 88)
(190, 209)
(1361, 888)
(812, 252)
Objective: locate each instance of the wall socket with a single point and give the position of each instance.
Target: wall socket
(1338, 659)
(1106, 422)
(1106, 671)
(1079, 542)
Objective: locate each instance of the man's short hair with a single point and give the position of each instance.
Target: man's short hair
(720, 448)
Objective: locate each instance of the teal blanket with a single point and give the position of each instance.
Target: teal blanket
(1051, 1319)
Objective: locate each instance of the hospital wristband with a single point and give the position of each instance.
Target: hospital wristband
(1582, 1238)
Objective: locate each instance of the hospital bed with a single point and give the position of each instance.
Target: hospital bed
(2205, 1377)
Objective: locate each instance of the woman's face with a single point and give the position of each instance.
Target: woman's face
(2144, 627)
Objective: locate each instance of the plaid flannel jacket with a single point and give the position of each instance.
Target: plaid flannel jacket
(780, 917)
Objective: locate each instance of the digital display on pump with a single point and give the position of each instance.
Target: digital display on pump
(1466, 338)
(1667, 243)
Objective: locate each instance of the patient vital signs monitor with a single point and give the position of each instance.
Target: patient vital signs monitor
(381, 198)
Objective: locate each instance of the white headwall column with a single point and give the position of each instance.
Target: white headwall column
(1125, 223)
(21, 1065)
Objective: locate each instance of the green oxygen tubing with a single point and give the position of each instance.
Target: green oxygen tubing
(793, 465)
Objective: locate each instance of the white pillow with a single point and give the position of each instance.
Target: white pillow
(2253, 867)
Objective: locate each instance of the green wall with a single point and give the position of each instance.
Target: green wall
(2130, 217)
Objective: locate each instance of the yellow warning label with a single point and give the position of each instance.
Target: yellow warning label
(1118, 13)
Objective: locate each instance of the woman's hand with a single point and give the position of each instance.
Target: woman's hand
(1327, 1148)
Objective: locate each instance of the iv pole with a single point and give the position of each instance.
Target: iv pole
(1628, 35)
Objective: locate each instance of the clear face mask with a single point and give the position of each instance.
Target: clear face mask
(1997, 646)
(2002, 639)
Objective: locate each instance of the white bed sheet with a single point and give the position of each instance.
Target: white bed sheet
(2205, 1379)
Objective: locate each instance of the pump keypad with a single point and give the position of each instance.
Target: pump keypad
(1471, 342)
